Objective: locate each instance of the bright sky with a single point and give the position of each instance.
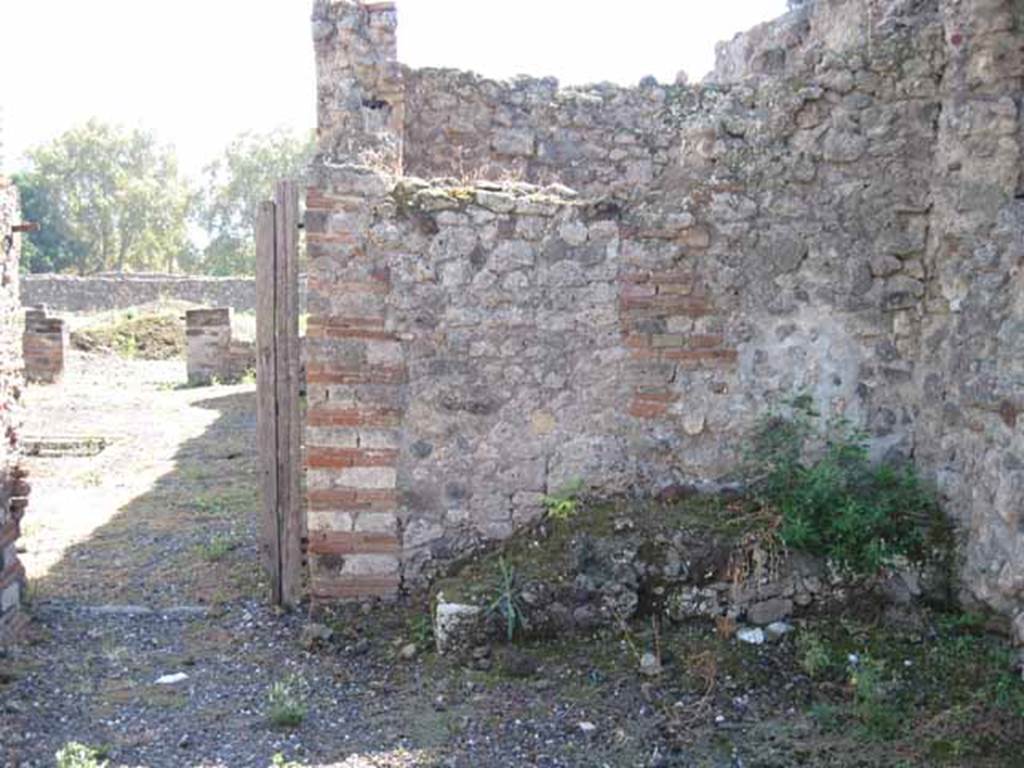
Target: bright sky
(197, 72)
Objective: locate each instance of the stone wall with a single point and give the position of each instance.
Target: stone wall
(44, 345)
(835, 211)
(68, 293)
(13, 488)
(597, 139)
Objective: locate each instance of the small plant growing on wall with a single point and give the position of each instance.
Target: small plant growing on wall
(830, 500)
(563, 504)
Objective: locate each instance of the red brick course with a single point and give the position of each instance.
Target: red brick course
(343, 543)
(338, 458)
(651, 304)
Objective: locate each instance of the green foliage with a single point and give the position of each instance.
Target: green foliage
(508, 602)
(421, 631)
(76, 755)
(837, 504)
(233, 188)
(964, 657)
(54, 247)
(813, 654)
(874, 703)
(564, 503)
(107, 198)
(280, 761)
(286, 708)
(829, 717)
(218, 547)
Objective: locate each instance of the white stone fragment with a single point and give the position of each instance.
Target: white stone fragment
(172, 679)
(454, 624)
(752, 635)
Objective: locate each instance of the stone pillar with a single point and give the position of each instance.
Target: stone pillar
(208, 337)
(44, 346)
(360, 90)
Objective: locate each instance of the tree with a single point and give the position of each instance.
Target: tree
(233, 188)
(53, 247)
(107, 199)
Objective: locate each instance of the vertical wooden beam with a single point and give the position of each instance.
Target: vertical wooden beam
(266, 392)
(290, 507)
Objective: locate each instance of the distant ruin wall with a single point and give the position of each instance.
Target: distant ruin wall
(836, 211)
(13, 489)
(67, 293)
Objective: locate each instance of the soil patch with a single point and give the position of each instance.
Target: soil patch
(146, 337)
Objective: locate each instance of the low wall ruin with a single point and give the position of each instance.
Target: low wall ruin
(212, 355)
(99, 293)
(44, 346)
(13, 488)
(836, 211)
(103, 293)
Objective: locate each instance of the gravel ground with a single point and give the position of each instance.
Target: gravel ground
(144, 564)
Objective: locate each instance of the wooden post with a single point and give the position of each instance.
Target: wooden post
(266, 392)
(290, 508)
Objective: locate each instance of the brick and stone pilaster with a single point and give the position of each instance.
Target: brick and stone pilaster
(355, 373)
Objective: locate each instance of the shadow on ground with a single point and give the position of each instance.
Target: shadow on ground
(190, 540)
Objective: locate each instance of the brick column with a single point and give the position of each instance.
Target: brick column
(44, 346)
(355, 376)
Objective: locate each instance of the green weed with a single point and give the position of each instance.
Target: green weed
(874, 703)
(564, 503)
(285, 707)
(508, 601)
(218, 547)
(838, 504)
(813, 654)
(76, 755)
(828, 717)
(421, 631)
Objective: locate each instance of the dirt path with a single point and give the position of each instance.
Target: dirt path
(126, 525)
